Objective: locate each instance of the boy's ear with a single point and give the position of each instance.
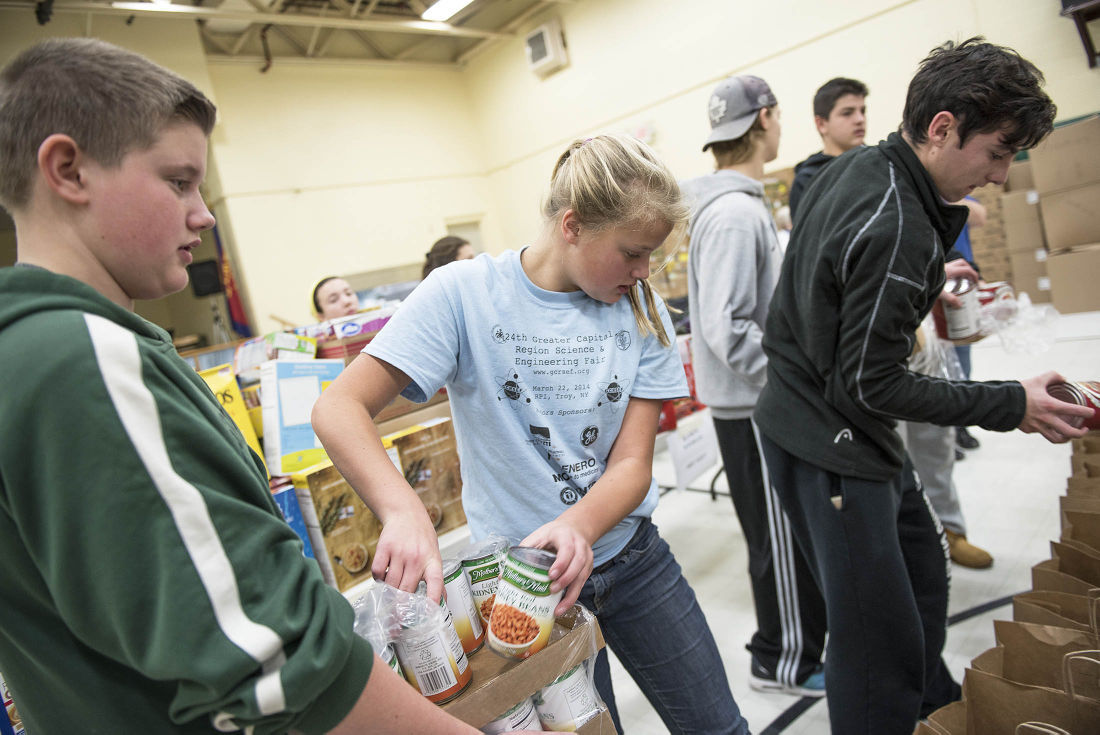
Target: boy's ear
(820, 123)
(939, 130)
(60, 161)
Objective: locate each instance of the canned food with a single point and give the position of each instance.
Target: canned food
(962, 321)
(523, 615)
(460, 602)
(389, 658)
(1082, 394)
(521, 717)
(482, 567)
(568, 702)
(432, 658)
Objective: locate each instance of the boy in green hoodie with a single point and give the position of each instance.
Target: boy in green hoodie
(150, 584)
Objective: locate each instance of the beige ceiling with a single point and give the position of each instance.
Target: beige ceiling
(387, 32)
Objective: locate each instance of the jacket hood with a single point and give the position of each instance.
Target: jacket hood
(813, 163)
(26, 290)
(703, 190)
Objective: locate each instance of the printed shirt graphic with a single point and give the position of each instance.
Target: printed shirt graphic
(538, 383)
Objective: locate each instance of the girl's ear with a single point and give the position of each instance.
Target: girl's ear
(570, 227)
(60, 162)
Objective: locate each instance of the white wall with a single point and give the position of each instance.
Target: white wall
(649, 64)
(334, 169)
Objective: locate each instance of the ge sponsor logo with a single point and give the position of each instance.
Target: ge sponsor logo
(622, 339)
(589, 435)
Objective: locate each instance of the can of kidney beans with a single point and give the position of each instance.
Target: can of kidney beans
(521, 717)
(432, 658)
(1086, 393)
(482, 567)
(568, 702)
(460, 601)
(523, 614)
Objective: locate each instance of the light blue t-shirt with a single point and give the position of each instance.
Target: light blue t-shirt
(538, 383)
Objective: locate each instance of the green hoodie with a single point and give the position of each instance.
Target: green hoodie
(149, 583)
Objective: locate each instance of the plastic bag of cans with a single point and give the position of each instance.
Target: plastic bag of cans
(422, 635)
(563, 705)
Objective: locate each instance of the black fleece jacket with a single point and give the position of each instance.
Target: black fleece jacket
(863, 268)
(804, 173)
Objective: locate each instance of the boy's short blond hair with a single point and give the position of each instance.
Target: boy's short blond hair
(732, 152)
(109, 100)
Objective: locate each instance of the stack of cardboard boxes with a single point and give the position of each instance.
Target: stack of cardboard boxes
(1023, 234)
(1066, 174)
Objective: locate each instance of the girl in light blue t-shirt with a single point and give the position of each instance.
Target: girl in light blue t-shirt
(556, 360)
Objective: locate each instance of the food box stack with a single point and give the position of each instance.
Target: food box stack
(988, 241)
(426, 454)
(1066, 171)
(1044, 671)
(10, 721)
(288, 390)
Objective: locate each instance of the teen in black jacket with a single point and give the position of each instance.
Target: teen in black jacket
(864, 266)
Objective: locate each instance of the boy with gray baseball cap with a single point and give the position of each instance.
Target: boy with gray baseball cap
(733, 266)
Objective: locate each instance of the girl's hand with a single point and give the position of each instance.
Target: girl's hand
(574, 563)
(408, 551)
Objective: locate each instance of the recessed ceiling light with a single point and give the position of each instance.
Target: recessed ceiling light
(444, 9)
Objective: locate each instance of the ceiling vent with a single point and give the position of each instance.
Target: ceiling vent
(545, 48)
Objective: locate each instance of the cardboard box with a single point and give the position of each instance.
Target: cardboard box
(428, 457)
(1074, 278)
(1069, 157)
(1020, 177)
(499, 683)
(1029, 274)
(341, 529)
(1021, 221)
(223, 384)
(1071, 217)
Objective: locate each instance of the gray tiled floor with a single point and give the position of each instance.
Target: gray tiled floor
(1008, 487)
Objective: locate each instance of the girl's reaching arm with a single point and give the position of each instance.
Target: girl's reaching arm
(408, 549)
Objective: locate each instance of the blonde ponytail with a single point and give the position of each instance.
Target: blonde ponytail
(615, 180)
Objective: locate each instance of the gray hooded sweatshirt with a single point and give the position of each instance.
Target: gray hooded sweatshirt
(733, 266)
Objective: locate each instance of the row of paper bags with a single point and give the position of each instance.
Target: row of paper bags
(1043, 675)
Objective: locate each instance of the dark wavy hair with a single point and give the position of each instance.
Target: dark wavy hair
(832, 90)
(443, 251)
(986, 87)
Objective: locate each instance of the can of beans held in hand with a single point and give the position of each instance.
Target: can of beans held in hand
(432, 658)
(521, 717)
(523, 614)
(568, 702)
(460, 601)
(1083, 394)
(482, 567)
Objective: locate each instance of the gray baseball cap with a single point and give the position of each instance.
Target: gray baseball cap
(733, 106)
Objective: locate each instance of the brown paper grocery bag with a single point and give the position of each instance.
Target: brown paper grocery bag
(1088, 487)
(1081, 522)
(1035, 654)
(949, 719)
(1087, 444)
(1071, 570)
(1085, 465)
(1059, 609)
(996, 705)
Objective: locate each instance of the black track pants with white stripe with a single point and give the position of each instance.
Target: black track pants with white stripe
(790, 612)
(880, 554)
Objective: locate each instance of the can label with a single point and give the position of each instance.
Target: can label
(434, 662)
(963, 320)
(483, 573)
(523, 615)
(389, 657)
(521, 717)
(10, 720)
(568, 702)
(460, 602)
